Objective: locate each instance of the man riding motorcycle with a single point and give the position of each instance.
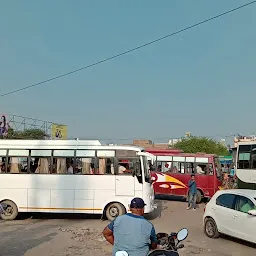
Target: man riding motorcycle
(132, 232)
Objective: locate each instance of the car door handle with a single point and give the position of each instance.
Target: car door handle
(117, 179)
(234, 216)
(213, 208)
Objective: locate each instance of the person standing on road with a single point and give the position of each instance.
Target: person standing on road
(132, 232)
(192, 193)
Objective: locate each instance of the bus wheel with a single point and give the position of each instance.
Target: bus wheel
(10, 210)
(114, 210)
(198, 197)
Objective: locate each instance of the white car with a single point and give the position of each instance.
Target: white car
(233, 213)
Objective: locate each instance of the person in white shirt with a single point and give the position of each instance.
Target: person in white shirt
(199, 170)
(70, 169)
(121, 169)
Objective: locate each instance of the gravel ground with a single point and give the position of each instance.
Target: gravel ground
(66, 235)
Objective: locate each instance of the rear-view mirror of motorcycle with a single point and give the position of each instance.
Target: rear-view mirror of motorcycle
(121, 253)
(252, 212)
(182, 234)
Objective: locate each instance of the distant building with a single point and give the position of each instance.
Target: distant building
(243, 139)
(150, 144)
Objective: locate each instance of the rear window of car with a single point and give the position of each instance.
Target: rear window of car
(226, 200)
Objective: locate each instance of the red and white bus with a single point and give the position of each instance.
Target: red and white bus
(173, 168)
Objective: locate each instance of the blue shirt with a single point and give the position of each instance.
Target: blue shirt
(133, 234)
(192, 187)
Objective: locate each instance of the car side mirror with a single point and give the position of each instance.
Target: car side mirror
(252, 212)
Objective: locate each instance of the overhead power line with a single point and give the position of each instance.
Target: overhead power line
(128, 51)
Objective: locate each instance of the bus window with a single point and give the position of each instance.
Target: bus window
(63, 161)
(127, 165)
(244, 152)
(84, 165)
(163, 166)
(105, 166)
(18, 161)
(40, 161)
(175, 167)
(3, 161)
(201, 168)
(210, 169)
(189, 168)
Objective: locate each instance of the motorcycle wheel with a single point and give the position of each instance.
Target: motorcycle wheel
(163, 253)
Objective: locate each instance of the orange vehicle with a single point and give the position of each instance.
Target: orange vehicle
(173, 169)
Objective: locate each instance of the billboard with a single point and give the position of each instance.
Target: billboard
(4, 126)
(59, 132)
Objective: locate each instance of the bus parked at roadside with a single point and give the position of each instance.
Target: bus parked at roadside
(72, 176)
(173, 169)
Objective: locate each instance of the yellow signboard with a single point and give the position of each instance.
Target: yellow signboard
(59, 132)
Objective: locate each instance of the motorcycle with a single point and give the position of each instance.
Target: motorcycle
(169, 244)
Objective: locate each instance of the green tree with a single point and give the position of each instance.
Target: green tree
(201, 144)
(28, 134)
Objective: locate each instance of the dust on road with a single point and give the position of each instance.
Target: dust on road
(66, 237)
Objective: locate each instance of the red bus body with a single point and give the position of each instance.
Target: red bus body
(178, 167)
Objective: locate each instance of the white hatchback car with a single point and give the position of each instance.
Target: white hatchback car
(233, 213)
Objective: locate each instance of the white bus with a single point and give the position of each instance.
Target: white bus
(65, 176)
(246, 164)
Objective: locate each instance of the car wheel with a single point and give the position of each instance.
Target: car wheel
(211, 229)
(114, 210)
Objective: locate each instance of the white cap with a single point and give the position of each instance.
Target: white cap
(121, 253)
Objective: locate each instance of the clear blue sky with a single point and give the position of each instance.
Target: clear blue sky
(202, 80)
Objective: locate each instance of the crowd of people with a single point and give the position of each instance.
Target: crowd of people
(229, 179)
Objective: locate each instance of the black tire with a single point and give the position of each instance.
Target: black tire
(114, 210)
(163, 252)
(198, 197)
(210, 228)
(11, 210)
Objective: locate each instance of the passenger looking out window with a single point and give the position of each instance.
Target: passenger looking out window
(200, 169)
(70, 169)
(159, 168)
(121, 168)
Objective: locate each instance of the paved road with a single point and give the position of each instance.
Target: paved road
(67, 235)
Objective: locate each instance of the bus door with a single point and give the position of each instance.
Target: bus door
(179, 176)
(204, 175)
(125, 178)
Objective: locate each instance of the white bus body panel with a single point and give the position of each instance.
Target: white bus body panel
(71, 193)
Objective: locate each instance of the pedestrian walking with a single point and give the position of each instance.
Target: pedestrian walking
(192, 193)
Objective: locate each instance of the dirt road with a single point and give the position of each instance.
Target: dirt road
(54, 236)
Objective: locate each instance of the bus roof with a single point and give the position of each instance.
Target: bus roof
(176, 152)
(62, 144)
(164, 151)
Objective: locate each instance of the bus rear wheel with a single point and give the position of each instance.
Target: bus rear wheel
(10, 210)
(198, 197)
(114, 210)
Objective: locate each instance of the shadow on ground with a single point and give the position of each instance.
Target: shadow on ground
(68, 216)
(18, 242)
